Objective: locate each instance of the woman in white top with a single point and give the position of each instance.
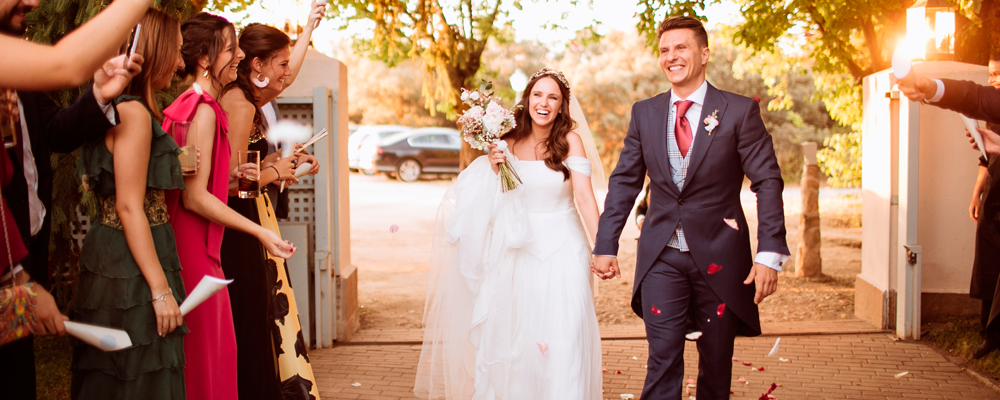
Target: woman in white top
(509, 312)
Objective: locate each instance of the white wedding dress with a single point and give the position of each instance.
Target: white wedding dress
(510, 310)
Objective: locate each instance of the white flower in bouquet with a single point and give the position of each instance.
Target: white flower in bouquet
(494, 119)
(474, 96)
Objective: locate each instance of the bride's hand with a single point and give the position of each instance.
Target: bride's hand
(496, 158)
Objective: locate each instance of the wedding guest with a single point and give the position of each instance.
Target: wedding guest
(199, 214)
(268, 334)
(130, 251)
(43, 128)
(71, 61)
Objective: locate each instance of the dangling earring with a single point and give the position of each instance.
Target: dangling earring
(205, 74)
(261, 83)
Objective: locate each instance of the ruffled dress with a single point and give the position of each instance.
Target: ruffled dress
(112, 292)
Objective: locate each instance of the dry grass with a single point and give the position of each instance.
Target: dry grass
(959, 336)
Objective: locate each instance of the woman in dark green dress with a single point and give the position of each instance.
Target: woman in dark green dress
(129, 270)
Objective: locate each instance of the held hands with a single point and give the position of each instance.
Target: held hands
(274, 245)
(111, 79)
(990, 140)
(766, 280)
(605, 267)
(168, 314)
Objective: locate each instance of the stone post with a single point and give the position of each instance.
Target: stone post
(807, 259)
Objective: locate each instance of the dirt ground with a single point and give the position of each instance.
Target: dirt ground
(393, 263)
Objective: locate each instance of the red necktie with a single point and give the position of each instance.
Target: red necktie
(682, 128)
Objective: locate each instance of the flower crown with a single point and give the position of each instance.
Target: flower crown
(554, 73)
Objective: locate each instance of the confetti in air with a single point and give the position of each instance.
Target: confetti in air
(713, 268)
(721, 310)
(774, 350)
(693, 336)
(393, 228)
(732, 223)
(544, 348)
(655, 310)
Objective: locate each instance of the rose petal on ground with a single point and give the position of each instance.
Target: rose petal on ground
(773, 386)
(721, 310)
(747, 363)
(356, 384)
(760, 369)
(777, 385)
(731, 222)
(690, 381)
(735, 359)
(618, 372)
(604, 370)
(655, 310)
(393, 228)
(713, 268)
(902, 374)
(544, 348)
(741, 380)
(693, 336)
(774, 350)
(687, 391)
(782, 359)
(635, 358)
(627, 396)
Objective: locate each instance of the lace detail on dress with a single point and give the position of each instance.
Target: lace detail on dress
(154, 205)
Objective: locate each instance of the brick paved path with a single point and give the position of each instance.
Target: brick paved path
(838, 366)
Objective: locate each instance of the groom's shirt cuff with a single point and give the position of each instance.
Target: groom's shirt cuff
(771, 259)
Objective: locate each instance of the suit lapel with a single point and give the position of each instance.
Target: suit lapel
(703, 140)
(659, 128)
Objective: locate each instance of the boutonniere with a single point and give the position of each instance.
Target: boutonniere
(711, 122)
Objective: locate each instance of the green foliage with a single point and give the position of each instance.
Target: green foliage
(446, 38)
(840, 159)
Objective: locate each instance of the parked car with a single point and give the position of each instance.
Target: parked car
(358, 137)
(413, 153)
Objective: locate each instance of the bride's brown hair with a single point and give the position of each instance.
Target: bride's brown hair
(556, 146)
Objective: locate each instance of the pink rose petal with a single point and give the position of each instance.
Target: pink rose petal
(735, 359)
(393, 229)
(713, 268)
(747, 363)
(732, 223)
(544, 348)
(690, 381)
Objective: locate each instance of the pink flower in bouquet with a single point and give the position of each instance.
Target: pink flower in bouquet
(494, 118)
(472, 114)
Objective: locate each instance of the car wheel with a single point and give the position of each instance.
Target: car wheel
(408, 170)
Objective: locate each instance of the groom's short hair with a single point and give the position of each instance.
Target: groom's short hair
(693, 24)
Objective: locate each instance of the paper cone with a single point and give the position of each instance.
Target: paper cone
(106, 339)
(208, 286)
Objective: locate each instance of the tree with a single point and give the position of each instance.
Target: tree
(839, 42)
(52, 20)
(447, 39)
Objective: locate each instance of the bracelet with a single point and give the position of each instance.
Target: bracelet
(163, 297)
(277, 174)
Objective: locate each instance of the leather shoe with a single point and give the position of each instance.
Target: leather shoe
(984, 349)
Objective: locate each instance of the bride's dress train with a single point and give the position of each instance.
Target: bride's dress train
(510, 312)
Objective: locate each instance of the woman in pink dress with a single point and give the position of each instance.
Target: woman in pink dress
(199, 214)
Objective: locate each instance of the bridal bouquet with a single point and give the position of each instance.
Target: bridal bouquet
(484, 123)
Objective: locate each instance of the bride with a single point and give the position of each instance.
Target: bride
(509, 311)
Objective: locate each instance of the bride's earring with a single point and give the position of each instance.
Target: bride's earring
(261, 83)
(205, 74)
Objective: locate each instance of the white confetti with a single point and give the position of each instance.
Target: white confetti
(693, 336)
(635, 358)
(902, 374)
(774, 350)
(627, 396)
(356, 384)
(782, 359)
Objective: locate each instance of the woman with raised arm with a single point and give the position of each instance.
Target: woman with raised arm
(130, 251)
(199, 214)
(272, 357)
(71, 61)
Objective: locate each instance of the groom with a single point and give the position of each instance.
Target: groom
(696, 143)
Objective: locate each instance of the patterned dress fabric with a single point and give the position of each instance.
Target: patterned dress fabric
(112, 292)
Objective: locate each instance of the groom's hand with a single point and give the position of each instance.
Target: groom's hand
(606, 267)
(766, 280)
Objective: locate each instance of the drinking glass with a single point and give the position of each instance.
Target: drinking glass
(10, 120)
(249, 186)
(185, 134)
